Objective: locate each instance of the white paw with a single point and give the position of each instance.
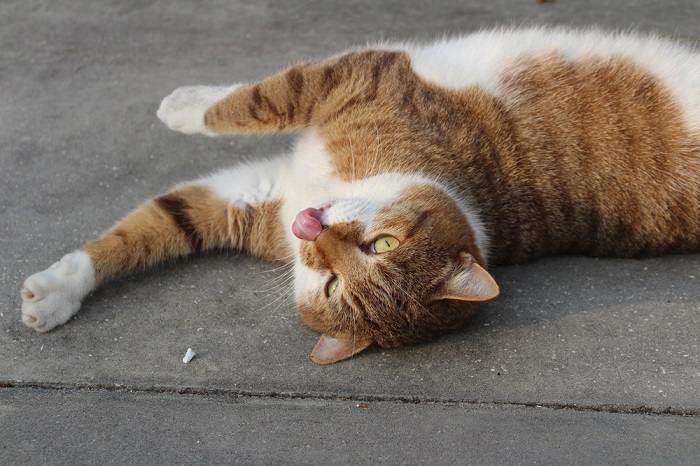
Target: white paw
(52, 296)
(183, 110)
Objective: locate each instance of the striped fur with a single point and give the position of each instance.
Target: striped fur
(187, 220)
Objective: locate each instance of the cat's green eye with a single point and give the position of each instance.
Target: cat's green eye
(331, 286)
(384, 244)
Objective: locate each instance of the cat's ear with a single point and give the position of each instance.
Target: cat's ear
(469, 282)
(330, 350)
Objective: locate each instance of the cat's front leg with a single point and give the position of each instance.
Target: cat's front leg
(237, 208)
(183, 110)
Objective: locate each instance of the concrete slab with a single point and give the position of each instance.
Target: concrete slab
(53, 427)
(81, 146)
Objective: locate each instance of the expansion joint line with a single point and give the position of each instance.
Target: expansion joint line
(280, 395)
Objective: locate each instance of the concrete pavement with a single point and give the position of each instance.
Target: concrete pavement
(97, 427)
(594, 341)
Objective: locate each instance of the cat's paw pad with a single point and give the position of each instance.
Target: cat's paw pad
(52, 296)
(183, 110)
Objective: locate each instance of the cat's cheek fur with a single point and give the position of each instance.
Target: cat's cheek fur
(54, 295)
(183, 110)
(307, 281)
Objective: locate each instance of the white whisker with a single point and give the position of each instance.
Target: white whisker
(352, 155)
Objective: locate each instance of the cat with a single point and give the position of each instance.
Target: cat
(417, 164)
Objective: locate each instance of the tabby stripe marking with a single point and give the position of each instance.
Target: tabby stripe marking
(295, 81)
(176, 207)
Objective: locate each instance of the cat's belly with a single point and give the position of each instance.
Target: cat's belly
(480, 59)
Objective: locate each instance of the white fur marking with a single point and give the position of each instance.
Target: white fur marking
(248, 183)
(307, 281)
(51, 297)
(183, 110)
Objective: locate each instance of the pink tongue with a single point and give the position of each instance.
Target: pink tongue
(307, 224)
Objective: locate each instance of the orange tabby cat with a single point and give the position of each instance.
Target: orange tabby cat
(415, 165)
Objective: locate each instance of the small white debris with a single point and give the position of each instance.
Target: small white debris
(188, 355)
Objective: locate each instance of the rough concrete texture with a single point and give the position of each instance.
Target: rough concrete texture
(80, 146)
(126, 428)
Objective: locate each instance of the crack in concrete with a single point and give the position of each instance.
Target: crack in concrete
(231, 393)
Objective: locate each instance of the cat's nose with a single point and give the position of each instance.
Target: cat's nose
(307, 224)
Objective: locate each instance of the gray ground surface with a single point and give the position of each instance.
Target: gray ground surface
(121, 428)
(592, 340)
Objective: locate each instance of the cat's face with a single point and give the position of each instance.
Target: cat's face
(393, 272)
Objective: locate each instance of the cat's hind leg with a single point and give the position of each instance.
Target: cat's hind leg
(183, 110)
(235, 208)
(303, 95)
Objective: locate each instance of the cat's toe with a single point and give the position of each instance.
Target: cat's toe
(31, 318)
(183, 110)
(30, 293)
(50, 312)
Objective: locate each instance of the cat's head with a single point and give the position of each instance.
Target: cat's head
(395, 269)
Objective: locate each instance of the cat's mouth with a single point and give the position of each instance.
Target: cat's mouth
(307, 224)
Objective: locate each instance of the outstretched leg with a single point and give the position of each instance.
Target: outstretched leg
(303, 95)
(236, 208)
